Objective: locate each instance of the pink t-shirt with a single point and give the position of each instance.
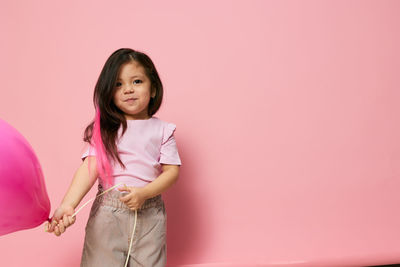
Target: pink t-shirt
(143, 147)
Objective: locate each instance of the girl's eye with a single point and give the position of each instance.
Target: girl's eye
(118, 83)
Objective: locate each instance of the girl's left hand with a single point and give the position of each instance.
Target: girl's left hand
(135, 199)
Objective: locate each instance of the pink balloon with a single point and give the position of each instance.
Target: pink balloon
(24, 202)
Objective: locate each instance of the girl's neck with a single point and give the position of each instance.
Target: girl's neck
(130, 118)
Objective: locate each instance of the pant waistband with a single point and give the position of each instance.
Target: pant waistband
(111, 199)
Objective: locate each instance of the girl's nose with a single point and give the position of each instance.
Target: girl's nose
(128, 90)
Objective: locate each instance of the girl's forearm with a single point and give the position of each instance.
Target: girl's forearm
(161, 183)
(81, 183)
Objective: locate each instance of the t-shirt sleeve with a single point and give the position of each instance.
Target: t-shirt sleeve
(90, 151)
(169, 151)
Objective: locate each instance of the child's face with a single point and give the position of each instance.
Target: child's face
(132, 82)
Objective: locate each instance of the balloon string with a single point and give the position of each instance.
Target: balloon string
(130, 245)
(95, 197)
(134, 227)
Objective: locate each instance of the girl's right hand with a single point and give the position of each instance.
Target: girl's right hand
(61, 219)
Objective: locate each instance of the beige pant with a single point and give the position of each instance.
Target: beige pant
(109, 229)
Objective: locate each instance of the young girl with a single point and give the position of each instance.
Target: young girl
(135, 158)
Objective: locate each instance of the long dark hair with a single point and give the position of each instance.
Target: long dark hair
(108, 116)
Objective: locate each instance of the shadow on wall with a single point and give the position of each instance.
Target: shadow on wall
(390, 265)
(256, 265)
(184, 223)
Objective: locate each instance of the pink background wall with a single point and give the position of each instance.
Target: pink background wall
(286, 114)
